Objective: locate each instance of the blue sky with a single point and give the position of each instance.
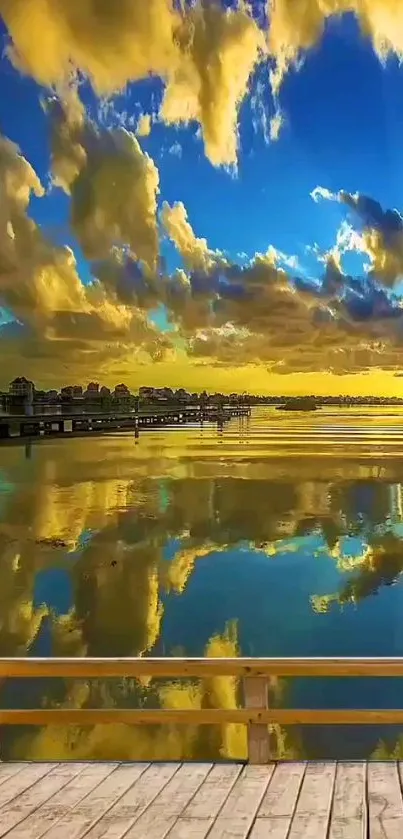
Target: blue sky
(343, 128)
(343, 120)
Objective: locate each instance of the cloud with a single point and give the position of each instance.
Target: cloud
(144, 126)
(204, 54)
(222, 313)
(296, 26)
(62, 320)
(380, 234)
(222, 49)
(265, 316)
(276, 124)
(320, 193)
(113, 184)
(195, 252)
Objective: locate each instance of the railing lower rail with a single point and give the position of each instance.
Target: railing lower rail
(255, 672)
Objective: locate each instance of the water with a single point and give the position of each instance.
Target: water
(281, 534)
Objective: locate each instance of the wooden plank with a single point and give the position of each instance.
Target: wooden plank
(204, 716)
(190, 829)
(198, 817)
(159, 818)
(279, 802)
(8, 770)
(282, 793)
(276, 829)
(349, 811)
(90, 809)
(311, 817)
(213, 792)
(385, 806)
(85, 668)
(256, 696)
(121, 817)
(21, 781)
(239, 811)
(42, 819)
(15, 811)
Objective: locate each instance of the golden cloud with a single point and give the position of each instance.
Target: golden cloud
(40, 285)
(296, 26)
(195, 252)
(112, 182)
(144, 126)
(205, 55)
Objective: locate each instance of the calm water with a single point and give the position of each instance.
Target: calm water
(281, 535)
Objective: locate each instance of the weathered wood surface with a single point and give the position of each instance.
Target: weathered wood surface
(98, 668)
(201, 801)
(256, 718)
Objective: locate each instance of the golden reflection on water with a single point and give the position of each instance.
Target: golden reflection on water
(129, 525)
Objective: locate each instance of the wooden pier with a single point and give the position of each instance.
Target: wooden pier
(255, 800)
(201, 801)
(63, 424)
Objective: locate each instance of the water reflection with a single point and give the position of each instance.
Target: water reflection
(179, 546)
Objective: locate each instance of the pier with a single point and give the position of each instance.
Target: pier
(14, 426)
(252, 799)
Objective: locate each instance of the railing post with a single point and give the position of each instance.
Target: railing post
(256, 696)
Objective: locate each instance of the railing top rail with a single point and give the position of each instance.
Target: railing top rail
(199, 667)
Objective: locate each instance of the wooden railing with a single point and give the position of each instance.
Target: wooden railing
(255, 673)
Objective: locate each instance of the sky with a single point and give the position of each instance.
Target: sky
(202, 194)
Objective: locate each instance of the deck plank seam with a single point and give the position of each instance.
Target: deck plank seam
(332, 800)
(115, 800)
(366, 831)
(148, 805)
(297, 797)
(263, 793)
(8, 777)
(45, 801)
(69, 809)
(217, 816)
(190, 799)
(234, 780)
(251, 828)
(29, 787)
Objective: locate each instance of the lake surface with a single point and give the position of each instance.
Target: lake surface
(281, 534)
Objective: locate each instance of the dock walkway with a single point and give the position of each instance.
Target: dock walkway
(14, 426)
(197, 800)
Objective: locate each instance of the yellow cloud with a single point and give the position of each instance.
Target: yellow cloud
(221, 51)
(296, 26)
(39, 283)
(113, 184)
(204, 54)
(195, 252)
(144, 126)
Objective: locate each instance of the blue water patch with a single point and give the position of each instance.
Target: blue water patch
(171, 548)
(53, 588)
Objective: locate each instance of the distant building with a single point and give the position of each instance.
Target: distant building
(164, 394)
(72, 392)
(121, 392)
(22, 388)
(92, 391)
(41, 396)
(146, 392)
(182, 395)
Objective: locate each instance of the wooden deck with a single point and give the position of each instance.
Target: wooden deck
(193, 801)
